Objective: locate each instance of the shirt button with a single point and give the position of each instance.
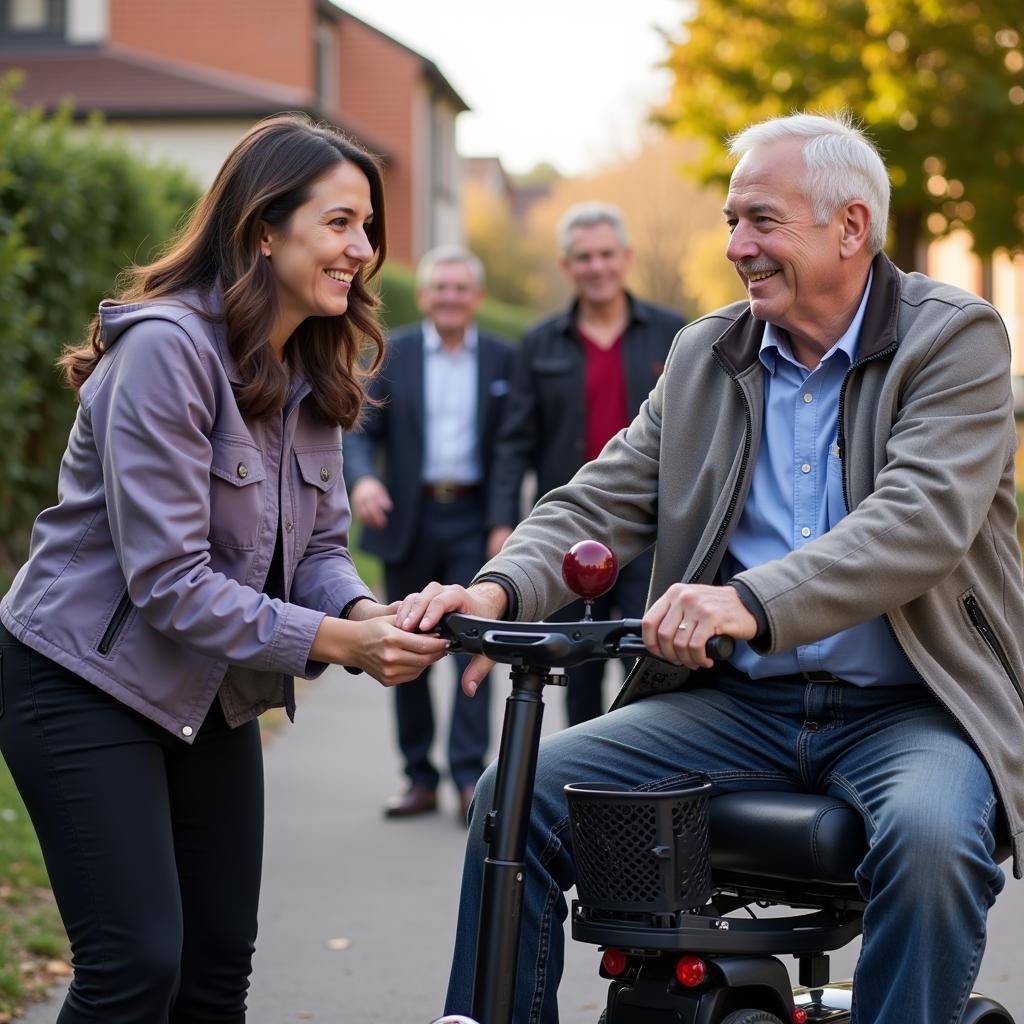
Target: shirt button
(243, 470)
(805, 468)
(288, 526)
(808, 397)
(186, 730)
(325, 474)
(805, 532)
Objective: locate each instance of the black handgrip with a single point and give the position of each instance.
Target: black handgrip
(718, 648)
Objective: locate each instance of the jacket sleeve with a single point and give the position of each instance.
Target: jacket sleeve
(362, 443)
(945, 455)
(515, 450)
(152, 416)
(326, 577)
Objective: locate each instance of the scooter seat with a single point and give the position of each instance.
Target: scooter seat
(799, 837)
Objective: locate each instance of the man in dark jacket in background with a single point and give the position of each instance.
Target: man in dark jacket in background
(580, 378)
(417, 473)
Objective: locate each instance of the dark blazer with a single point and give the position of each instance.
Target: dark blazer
(389, 443)
(545, 417)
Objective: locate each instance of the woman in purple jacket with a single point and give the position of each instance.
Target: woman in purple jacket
(195, 562)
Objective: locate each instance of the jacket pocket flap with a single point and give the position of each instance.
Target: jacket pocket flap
(236, 462)
(320, 467)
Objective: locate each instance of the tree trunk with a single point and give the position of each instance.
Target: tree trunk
(907, 252)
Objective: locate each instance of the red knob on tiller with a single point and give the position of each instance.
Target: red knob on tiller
(589, 569)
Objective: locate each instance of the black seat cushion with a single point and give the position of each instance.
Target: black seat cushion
(794, 836)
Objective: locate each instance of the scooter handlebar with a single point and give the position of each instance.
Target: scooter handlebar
(556, 644)
(718, 648)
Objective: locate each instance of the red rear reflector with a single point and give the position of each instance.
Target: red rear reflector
(691, 971)
(799, 1016)
(614, 962)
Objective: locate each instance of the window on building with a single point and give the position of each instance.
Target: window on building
(23, 20)
(325, 63)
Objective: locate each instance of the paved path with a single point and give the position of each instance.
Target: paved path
(358, 913)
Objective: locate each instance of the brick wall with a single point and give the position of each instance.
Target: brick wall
(269, 39)
(381, 91)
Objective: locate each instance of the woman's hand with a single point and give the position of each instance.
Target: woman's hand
(425, 609)
(377, 646)
(681, 622)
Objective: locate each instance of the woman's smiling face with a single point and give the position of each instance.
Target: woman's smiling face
(319, 250)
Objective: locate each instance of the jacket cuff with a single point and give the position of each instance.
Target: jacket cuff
(754, 606)
(510, 592)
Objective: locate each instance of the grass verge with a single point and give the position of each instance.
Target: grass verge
(33, 946)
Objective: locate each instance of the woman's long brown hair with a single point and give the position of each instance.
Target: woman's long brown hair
(264, 179)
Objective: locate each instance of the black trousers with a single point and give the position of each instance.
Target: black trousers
(450, 546)
(626, 600)
(154, 848)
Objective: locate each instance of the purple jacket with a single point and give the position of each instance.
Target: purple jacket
(145, 578)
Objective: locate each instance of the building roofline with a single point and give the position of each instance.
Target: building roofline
(430, 69)
(255, 97)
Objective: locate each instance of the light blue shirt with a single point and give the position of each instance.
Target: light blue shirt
(450, 382)
(797, 495)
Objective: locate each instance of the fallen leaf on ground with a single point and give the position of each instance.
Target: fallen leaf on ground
(338, 943)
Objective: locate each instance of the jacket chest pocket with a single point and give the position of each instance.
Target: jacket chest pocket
(236, 493)
(557, 381)
(319, 475)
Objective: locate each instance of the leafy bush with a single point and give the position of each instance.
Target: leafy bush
(75, 210)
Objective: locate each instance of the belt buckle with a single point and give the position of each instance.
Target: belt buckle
(445, 492)
(820, 677)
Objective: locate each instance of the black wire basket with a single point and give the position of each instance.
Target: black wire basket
(641, 852)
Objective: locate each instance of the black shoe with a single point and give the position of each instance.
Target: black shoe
(416, 799)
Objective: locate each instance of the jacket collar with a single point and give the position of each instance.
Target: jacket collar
(565, 323)
(740, 343)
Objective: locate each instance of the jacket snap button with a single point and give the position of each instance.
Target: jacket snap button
(186, 730)
(288, 526)
(325, 474)
(243, 470)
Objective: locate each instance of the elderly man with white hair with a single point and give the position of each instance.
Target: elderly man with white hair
(826, 473)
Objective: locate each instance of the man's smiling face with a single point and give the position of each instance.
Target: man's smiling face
(787, 261)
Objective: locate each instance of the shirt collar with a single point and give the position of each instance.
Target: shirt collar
(432, 340)
(776, 343)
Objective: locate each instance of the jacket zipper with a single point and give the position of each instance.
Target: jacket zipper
(117, 621)
(734, 499)
(980, 623)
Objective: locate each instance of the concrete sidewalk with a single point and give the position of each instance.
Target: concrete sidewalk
(358, 913)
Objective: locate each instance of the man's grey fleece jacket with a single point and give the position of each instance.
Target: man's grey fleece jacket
(927, 441)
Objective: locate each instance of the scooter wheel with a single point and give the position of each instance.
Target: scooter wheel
(751, 1017)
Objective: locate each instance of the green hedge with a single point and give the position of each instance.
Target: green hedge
(74, 211)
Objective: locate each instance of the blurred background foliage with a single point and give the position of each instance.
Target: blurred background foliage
(938, 83)
(75, 209)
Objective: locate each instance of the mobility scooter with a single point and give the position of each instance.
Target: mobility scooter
(668, 883)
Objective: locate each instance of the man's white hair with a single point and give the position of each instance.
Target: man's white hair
(586, 215)
(842, 164)
(448, 254)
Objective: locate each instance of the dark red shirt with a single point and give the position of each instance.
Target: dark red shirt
(605, 389)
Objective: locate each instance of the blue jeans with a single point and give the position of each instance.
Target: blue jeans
(894, 753)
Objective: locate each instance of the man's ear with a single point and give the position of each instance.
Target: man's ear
(855, 223)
